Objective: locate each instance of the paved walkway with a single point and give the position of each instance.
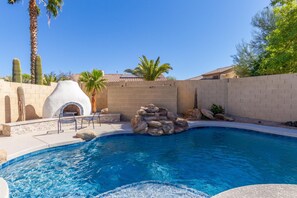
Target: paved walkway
(18, 145)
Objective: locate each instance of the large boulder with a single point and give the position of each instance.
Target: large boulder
(3, 156)
(154, 124)
(221, 116)
(104, 111)
(151, 108)
(135, 121)
(86, 134)
(208, 114)
(168, 127)
(171, 116)
(155, 131)
(193, 114)
(142, 127)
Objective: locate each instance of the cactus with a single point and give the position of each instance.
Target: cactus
(38, 71)
(16, 71)
(21, 104)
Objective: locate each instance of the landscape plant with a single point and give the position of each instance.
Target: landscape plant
(16, 71)
(93, 82)
(273, 48)
(149, 70)
(217, 109)
(38, 71)
(52, 9)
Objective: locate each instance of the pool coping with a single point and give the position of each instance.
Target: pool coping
(4, 189)
(192, 124)
(260, 191)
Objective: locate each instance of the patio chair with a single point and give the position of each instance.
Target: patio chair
(95, 116)
(66, 118)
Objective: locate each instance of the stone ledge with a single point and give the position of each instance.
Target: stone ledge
(4, 189)
(261, 191)
(25, 127)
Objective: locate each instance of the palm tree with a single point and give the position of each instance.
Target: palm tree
(149, 69)
(52, 9)
(93, 82)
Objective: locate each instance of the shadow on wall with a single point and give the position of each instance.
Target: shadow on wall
(31, 113)
(7, 110)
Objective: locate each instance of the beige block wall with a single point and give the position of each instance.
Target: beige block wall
(186, 98)
(272, 98)
(35, 95)
(128, 99)
(212, 92)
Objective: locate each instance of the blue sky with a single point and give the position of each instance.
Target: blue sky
(194, 36)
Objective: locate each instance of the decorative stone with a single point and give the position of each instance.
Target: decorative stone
(171, 116)
(135, 121)
(193, 114)
(151, 108)
(141, 127)
(229, 119)
(155, 131)
(178, 129)
(3, 156)
(86, 134)
(141, 112)
(104, 111)
(168, 127)
(208, 114)
(220, 116)
(154, 124)
(181, 123)
(151, 118)
(163, 111)
(157, 121)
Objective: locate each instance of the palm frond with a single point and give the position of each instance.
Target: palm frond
(149, 69)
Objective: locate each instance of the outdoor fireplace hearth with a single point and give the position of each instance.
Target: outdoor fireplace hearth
(67, 98)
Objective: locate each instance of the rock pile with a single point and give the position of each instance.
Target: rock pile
(157, 121)
(197, 114)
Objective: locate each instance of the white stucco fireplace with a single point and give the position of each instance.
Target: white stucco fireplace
(67, 97)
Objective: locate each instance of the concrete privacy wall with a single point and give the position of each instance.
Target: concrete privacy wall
(212, 92)
(35, 96)
(272, 98)
(127, 98)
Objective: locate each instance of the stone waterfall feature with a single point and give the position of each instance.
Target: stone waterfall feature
(67, 97)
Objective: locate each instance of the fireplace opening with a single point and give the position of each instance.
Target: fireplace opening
(72, 109)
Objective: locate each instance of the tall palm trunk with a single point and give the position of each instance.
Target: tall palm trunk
(33, 12)
(94, 103)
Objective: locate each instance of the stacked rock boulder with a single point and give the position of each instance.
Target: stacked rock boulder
(157, 121)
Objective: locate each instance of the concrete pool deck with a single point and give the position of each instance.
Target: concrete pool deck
(18, 145)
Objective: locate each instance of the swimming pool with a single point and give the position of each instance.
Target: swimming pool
(210, 160)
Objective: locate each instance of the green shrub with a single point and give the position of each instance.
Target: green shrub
(217, 109)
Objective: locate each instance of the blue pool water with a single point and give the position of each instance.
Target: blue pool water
(210, 160)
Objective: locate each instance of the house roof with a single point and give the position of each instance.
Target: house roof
(196, 78)
(120, 77)
(219, 70)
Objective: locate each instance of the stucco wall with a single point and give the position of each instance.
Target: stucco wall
(35, 96)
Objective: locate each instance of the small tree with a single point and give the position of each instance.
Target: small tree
(150, 70)
(93, 82)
